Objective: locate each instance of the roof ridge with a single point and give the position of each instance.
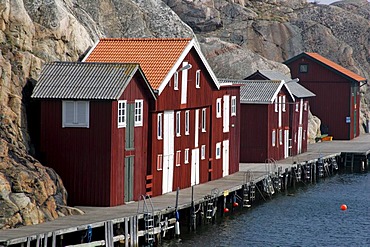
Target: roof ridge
(145, 39)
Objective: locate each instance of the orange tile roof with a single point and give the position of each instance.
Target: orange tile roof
(155, 56)
(335, 66)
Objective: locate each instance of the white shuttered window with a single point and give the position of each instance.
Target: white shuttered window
(75, 114)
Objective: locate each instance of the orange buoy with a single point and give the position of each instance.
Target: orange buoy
(343, 207)
(226, 210)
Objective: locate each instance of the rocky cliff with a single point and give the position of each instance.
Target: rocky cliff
(237, 36)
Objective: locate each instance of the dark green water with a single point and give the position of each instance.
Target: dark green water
(311, 217)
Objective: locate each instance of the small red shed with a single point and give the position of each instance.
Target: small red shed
(337, 101)
(298, 108)
(264, 119)
(188, 144)
(94, 122)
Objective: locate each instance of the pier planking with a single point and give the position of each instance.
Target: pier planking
(97, 216)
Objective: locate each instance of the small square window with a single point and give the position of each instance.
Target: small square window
(178, 124)
(186, 156)
(303, 68)
(197, 79)
(204, 117)
(159, 162)
(187, 122)
(139, 112)
(122, 113)
(159, 126)
(203, 152)
(218, 108)
(178, 158)
(276, 105)
(281, 137)
(233, 105)
(218, 150)
(176, 81)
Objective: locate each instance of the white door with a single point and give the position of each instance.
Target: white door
(226, 113)
(299, 142)
(196, 128)
(194, 167)
(168, 151)
(225, 158)
(286, 143)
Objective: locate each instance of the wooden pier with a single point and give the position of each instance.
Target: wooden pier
(164, 207)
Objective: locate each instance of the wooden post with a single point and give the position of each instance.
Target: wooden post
(136, 239)
(54, 240)
(131, 231)
(126, 232)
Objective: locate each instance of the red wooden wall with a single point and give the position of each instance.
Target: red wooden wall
(197, 98)
(332, 103)
(90, 160)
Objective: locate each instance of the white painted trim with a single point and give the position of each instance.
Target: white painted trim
(90, 51)
(187, 49)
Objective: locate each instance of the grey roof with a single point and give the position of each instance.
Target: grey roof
(257, 91)
(298, 90)
(68, 80)
(274, 75)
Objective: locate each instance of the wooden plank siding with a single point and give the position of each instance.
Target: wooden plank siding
(91, 160)
(258, 121)
(333, 102)
(64, 150)
(197, 100)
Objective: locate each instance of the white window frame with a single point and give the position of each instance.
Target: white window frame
(218, 107)
(159, 162)
(176, 81)
(178, 157)
(186, 156)
(233, 105)
(305, 106)
(297, 107)
(283, 106)
(139, 107)
(280, 136)
(204, 119)
(178, 123)
(203, 152)
(121, 113)
(197, 79)
(273, 138)
(160, 126)
(187, 122)
(218, 150)
(276, 104)
(76, 121)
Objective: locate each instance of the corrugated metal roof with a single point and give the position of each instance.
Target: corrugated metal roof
(298, 90)
(68, 80)
(274, 75)
(256, 91)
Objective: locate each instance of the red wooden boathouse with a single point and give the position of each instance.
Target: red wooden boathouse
(95, 122)
(298, 109)
(264, 119)
(194, 125)
(337, 101)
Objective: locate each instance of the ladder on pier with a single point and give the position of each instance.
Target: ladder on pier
(349, 159)
(148, 214)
